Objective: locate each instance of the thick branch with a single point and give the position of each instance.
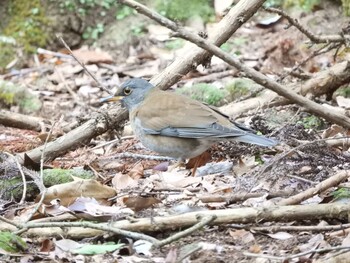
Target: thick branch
(314, 38)
(181, 66)
(193, 55)
(82, 134)
(250, 72)
(324, 82)
(226, 216)
(322, 186)
(17, 120)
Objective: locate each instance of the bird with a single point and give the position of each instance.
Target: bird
(175, 125)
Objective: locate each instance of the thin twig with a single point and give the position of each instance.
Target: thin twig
(287, 258)
(320, 187)
(83, 66)
(41, 185)
(107, 228)
(203, 222)
(274, 229)
(314, 38)
(320, 51)
(301, 179)
(68, 88)
(24, 193)
(141, 156)
(279, 158)
(251, 73)
(9, 222)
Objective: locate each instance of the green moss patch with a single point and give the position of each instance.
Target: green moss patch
(11, 94)
(27, 23)
(184, 9)
(206, 93)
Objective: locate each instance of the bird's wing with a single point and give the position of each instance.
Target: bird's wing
(171, 114)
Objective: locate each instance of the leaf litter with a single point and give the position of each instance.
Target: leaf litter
(130, 187)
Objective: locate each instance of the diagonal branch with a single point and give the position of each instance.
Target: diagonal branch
(314, 38)
(193, 56)
(250, 72)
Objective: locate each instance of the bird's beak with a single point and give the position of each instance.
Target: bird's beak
(111, 99)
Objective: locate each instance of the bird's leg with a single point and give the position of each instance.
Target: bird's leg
(179, 163)
(196, 165)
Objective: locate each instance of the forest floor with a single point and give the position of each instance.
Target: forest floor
(147, 187)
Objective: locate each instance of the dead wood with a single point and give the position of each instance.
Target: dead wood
(321, 83)
(251, 73)
(192, 57)
(320, 187)
(337, 211)
(82, 134)
(17, 120)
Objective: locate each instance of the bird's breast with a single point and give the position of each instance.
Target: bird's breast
(179, 148)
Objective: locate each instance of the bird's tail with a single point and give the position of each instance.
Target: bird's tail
(256, 139)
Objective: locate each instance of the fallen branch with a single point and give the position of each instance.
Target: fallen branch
(322, 186)
(301, 254)
(328, 81)
(337, 211)
(82, 134)
(250, 72)
(17, 120)
(274, 229)
(324, 82)
(233, 198)
(314, 38)
(192, 57)
(203, 221)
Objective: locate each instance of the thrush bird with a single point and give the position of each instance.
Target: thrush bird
(176, 126)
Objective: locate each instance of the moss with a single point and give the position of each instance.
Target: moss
(206, 93)
(12, 188)
(12, 243)
(174, 44)
(239, 88)
(184, 9)
(346, 7)
(11, 94)
(26, 25)
(60, 176)
(345, 92)
(312, 122)
(307, 5)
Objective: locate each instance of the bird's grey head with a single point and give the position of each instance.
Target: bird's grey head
(132, 92)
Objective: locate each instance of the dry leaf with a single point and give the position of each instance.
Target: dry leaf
(332, 131)
(171, 256)
(255, 249)
(343, 102)
(138, 203)
(92, 56)
(68, 192)
(245, 164)
(198, 161)
(281, 235)
(137, 171)
(242, 235)
(46, 245)
(163, 167)
(122, 181)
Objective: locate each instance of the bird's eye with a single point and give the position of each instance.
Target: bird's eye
(127, 91)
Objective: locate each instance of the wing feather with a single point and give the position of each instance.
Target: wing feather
(185, 118)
